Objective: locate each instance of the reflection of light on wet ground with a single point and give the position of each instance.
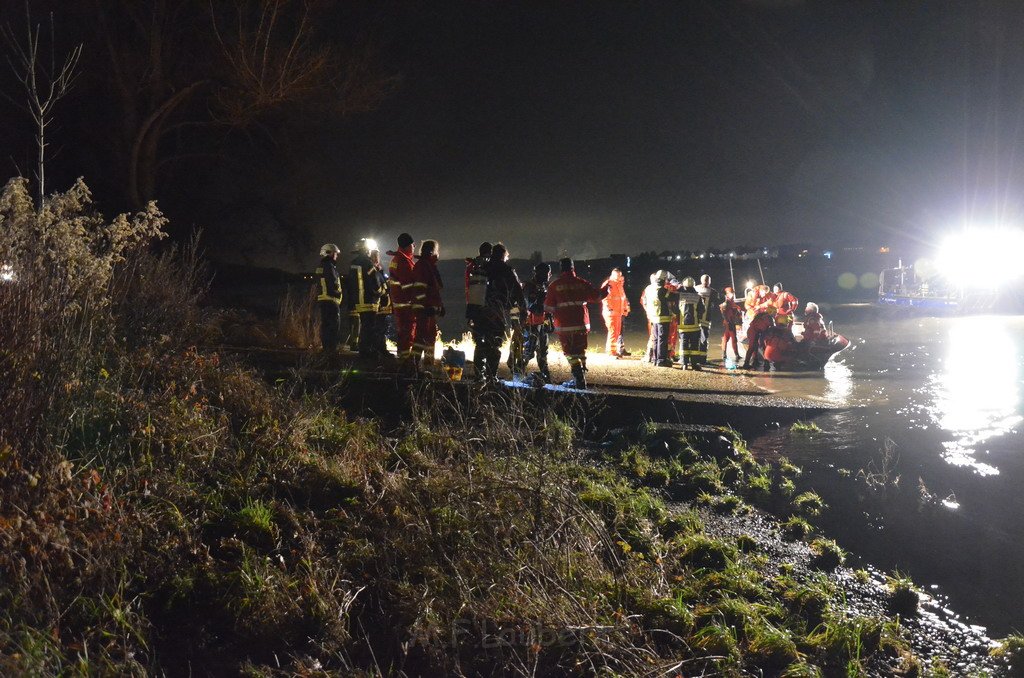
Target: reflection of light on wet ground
(973, 400)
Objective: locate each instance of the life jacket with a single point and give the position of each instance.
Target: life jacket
(814, 327)
(400, 278)
(567, 299)
(328, 281)
(691, 310)
(615, 303)
(786, 304)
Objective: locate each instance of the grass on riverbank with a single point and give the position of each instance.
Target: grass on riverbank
(165, 510)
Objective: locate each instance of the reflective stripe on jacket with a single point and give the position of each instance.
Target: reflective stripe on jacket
(691, 310)
(707, 294)
(328, 281)
(656, 304)
(427, 286)
(567, 299)
(400, 278)
(364, 285)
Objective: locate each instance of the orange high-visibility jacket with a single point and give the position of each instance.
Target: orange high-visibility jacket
(786, 305)
(427, 285)
(567, 299)
(616, 302)
(401, 278)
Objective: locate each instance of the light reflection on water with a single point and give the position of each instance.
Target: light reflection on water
(838, 382)
(949, 392)
(973, 399)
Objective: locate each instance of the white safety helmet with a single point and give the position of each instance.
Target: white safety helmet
(661, 276)
(687, 281)
(811, 307)
(329, 249)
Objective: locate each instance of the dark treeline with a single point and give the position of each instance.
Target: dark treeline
(210, 107)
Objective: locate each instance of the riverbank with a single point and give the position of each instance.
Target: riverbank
(222, 523)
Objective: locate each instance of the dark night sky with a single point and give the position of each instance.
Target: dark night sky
(599, 127)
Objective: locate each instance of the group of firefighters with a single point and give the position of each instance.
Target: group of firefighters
(679, 313)
(499, 307)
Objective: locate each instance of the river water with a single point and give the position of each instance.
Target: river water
(924, 466)
(945, 397)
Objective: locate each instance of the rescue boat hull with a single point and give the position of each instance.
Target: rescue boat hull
(788, 355)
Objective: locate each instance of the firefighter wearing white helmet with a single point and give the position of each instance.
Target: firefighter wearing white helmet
(659, 316)
(691, 310)
(329, 297)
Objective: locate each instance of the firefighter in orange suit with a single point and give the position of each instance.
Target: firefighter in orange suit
(814, 324)
(763, 312)
(732, 315)
(566, 300)
(785, 306)
(614, 308)
(427, 294)
(400, 282)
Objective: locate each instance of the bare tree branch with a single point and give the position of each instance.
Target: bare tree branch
(44, 87)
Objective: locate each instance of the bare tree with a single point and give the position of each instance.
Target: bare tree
(179, 69)
(45, 83)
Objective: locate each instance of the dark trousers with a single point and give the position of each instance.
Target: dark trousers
(705, 334)
(330, 325)
(353, 331)
(490, 333)
(536, 344)
(368, 334)
(516, 348)
(691, 348)
(661, 335)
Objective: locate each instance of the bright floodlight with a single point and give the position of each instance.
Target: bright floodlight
(371, 244)
(750, 284)
(982, 257)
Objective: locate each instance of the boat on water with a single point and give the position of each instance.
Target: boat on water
(905, 288)
(792, 351)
